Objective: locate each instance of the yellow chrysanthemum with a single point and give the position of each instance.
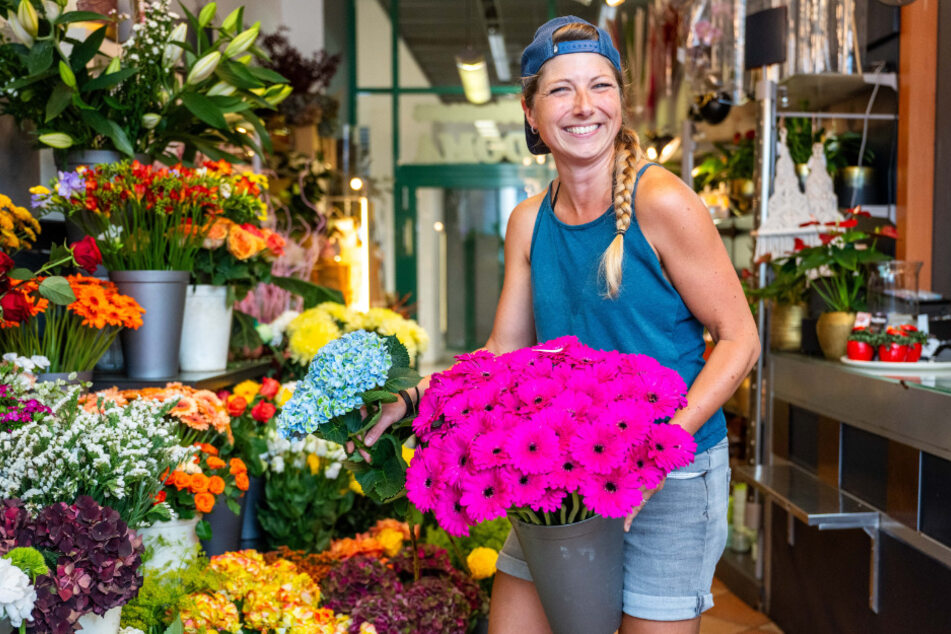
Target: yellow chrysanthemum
(247, 390)
(355, 486)
(6, 220)
(339, 313)
(309, 332)
(313, 463)
(481, 562)
(391, 540)
(39, 190)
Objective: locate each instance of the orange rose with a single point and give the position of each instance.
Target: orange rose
(204, 502)
(216, 463)
(160, 497)
(241, 481)
(237, 466)
(180, 479)
(216, 485)
(198, 483)
(217, 233)
(211, 450)
(244, 244)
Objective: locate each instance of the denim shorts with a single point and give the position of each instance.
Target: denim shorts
(674, 544)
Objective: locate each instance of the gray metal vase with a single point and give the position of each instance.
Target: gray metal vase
(578, 571)
(151, 352)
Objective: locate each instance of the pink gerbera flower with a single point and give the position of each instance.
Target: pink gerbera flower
(485, 495)
(537, 394)
(612, 494)
(573, 402)
(488, 450)
(644, 470)
(631, 422)
(533, 447)
(663, 390)
(454, 455)
(671, 446)
(452, 515)
(566, 474)
(526, 489)
(423, 484)
(595, 447)
(550, 501)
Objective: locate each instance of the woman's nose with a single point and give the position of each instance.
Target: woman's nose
(583, 104)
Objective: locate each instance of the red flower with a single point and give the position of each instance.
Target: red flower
(810, 223)
(887, 231)
(236, 406)
(848, 224)
(6, 263)
(750, 135)
(160, 497)
(87, 254)
(799, 245)
(223, 394)
(857, 211)
(269, 388)
(16, 307)
(275, 243)
(263, 412)
(827, 237)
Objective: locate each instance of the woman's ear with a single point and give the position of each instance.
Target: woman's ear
(528, 114)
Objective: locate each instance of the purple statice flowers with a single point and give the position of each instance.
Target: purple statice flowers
(546, 429)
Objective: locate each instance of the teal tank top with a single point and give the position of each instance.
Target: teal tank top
(648, 317)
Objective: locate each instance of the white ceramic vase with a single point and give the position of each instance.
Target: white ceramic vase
(206, 330)
(108, 623)
(172, 543)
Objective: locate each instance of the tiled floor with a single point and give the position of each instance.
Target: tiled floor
(729, 615)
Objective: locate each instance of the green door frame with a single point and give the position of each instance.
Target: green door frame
(448, 176)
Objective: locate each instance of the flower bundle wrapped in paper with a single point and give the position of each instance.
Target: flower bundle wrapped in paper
(551, 434)
(358, 369)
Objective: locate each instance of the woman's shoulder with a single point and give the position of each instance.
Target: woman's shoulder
(522, 220)
(663, 197)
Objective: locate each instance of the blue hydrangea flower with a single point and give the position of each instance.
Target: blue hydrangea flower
(338, 375)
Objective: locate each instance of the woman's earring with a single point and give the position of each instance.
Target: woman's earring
(534, 130)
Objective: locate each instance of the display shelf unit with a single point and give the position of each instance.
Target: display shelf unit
(826, 90)
(235, 373)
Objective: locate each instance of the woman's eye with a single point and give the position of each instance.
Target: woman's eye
(557, 90)
(604, 85)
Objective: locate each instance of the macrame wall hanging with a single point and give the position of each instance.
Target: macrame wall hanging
(792, 214)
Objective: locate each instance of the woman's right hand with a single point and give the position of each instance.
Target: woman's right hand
(391, 414)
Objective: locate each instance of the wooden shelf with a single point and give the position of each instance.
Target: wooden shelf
(236, 372)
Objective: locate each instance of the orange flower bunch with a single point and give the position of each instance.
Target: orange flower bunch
(200, 410)
(244, 241)
(32, 303)
(100, 304)
(317, 565)
(196, 485)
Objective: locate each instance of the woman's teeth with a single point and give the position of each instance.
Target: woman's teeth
(582, 129)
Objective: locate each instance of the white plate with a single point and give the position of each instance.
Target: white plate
(892, 367)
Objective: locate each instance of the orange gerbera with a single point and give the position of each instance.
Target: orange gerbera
(198, 409)
(216, 485)
(186, 406)
(215, 462)
(198, 483)
(241, 481)
(204, 502)
(238, 466)
(211, 450)
(99, 304)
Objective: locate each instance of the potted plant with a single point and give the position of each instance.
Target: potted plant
(836, 270)
(799, 139)
(786, 294)
(861, 344)
(854, 184)
(739, 170)
(158, 90)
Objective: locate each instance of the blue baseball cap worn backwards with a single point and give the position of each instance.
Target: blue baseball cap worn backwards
(543, 49)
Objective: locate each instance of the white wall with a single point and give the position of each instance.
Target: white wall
(305, 18)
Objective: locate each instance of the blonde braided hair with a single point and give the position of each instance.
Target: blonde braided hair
(627, 153)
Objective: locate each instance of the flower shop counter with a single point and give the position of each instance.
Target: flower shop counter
(234, 374)
(857, 525)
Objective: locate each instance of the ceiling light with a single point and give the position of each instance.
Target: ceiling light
(356, 183)
(652, 153)
(475, 78)
(500, 58)
(668, 150)
(438, 226)
(613, 3)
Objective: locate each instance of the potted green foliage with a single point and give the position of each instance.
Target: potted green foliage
(786, 295)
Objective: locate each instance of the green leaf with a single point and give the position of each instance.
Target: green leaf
(23, 82)
(20, 274)
(57, 290)
(237, 75)
(108, 81)
(80, 16)
(398, 354)
(108, 128)
(60, 98)
(233, 505)
(375, 396)
(267, 75)
(311, 293)
(59, 252)
(334, 430)
(40, 58)
(88, 49)
(230, 104)
(401, 379)
(205, 109)
(352, 421)
(203, 530)
(367, 424)
(175, 627)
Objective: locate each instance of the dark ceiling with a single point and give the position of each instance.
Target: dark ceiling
(435, 31)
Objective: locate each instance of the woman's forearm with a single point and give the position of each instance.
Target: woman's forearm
(727, 366)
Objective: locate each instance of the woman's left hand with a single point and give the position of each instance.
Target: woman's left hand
(637, 509)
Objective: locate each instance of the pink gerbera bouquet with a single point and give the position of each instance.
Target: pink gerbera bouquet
(550, 434)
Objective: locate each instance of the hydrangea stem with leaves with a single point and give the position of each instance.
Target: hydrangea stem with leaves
(341, 398)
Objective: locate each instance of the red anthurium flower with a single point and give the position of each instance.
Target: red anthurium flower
(810, 223)
(799, 245)
(827, 237)
(887, 231)
(848, 224)
(857, 212)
